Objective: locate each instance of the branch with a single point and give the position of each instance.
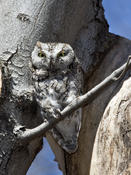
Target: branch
(78, 102)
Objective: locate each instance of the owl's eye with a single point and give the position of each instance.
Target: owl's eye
(41, 54)
(61, 53)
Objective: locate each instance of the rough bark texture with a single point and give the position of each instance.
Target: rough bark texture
(80, 23)
(112, 148)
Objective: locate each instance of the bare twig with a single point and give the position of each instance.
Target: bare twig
(124, 70)
(78, 102)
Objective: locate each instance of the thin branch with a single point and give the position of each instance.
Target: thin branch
(78, 102)
(124, 70)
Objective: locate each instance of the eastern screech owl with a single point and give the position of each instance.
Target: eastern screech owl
(57, 80)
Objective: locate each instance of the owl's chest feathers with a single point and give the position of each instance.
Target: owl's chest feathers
(43, 74)
(56, 90)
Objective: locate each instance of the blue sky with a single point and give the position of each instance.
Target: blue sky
(44, 163)
(118, 15)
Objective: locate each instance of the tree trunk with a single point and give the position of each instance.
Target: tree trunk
(80, 23)
(112, 148)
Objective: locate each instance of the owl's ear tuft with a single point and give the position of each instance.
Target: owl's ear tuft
(38, 44)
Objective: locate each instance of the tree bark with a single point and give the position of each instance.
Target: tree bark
(80, 23)
(112, 152)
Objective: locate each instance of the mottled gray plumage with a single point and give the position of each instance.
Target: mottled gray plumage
(57, 80)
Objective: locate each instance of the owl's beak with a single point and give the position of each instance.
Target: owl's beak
(51, 63)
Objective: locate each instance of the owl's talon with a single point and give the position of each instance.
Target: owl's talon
(56, 113)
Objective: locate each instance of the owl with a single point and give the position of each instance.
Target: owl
(57, 79)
